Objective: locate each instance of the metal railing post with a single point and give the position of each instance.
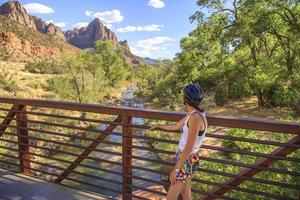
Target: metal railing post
(126, 159)
(24, 156)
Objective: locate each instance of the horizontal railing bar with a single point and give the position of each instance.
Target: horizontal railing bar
(212, 194)
(220, 161)
(141, 178)
(149, 170)
(203, 146)
(66, 161)
(97, 186)
(75, 180)
(91, 139)
(66, 126)
(231, 151)
(62, 169)
(255, 192)
(275, 170)
(66, 144)
(171, 164)
(150, 149)
(230, 122)
(257, 180)
(10, 163)
(209, 171)
(227, 175)
(158, 139)
(64, 152)
(10, 170)
(153, 160)
(159, 172)
(256, 141)
(217, 184)
(79, 119)
(152, 138)
(225, 137)
(240, 189)
(66, 135)
(166, 183)
(96, 177)
(10, 156)
(256, 154)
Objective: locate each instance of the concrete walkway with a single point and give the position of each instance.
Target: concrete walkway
(20, 187)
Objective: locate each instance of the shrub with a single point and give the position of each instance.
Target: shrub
(221, 95)
(277, 95)
(7, 83)
(44, 67)
(238, 90)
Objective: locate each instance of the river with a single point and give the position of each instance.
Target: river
(128, 99)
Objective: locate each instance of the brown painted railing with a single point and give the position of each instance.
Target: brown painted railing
(30, 126)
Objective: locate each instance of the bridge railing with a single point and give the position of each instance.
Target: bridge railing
(64, 143)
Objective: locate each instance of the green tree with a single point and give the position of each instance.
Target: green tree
(113, 63)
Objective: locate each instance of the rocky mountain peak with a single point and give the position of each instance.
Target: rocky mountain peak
(16, 11)
(53, 30)
(85, 37)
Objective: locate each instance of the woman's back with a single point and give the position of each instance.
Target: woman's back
(185, 130)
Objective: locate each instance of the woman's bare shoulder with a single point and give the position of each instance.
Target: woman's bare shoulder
(198, 117)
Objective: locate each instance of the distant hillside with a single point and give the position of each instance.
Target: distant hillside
(21, 43)
(150, 61)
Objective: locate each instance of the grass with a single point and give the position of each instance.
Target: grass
(29, 85)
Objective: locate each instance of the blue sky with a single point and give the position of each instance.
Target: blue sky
(153, 28)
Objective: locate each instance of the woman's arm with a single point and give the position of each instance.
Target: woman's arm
(169, 127)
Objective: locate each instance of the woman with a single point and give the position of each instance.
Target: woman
(193, 127)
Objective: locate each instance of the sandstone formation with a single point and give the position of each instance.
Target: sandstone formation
(21, 50)
(85, 37)
(24, 39)
(14, 10)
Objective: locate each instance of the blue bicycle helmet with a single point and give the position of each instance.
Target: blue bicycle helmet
(193, 94)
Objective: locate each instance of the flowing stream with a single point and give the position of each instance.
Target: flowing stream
(128, 100)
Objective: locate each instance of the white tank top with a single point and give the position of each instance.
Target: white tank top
(185, 131)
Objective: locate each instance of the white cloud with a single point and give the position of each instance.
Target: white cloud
(38, 8)
(156, 3)
(147, 28)
(59, 24)
(156, 47)
(88, 13)
(80, 24)
(108, 25)
(108, 17)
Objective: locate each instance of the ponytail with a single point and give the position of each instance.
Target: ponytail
(199, 109)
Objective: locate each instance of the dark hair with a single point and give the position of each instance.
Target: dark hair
(196, 106)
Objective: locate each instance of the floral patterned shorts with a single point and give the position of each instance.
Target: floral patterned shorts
(192, 164)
